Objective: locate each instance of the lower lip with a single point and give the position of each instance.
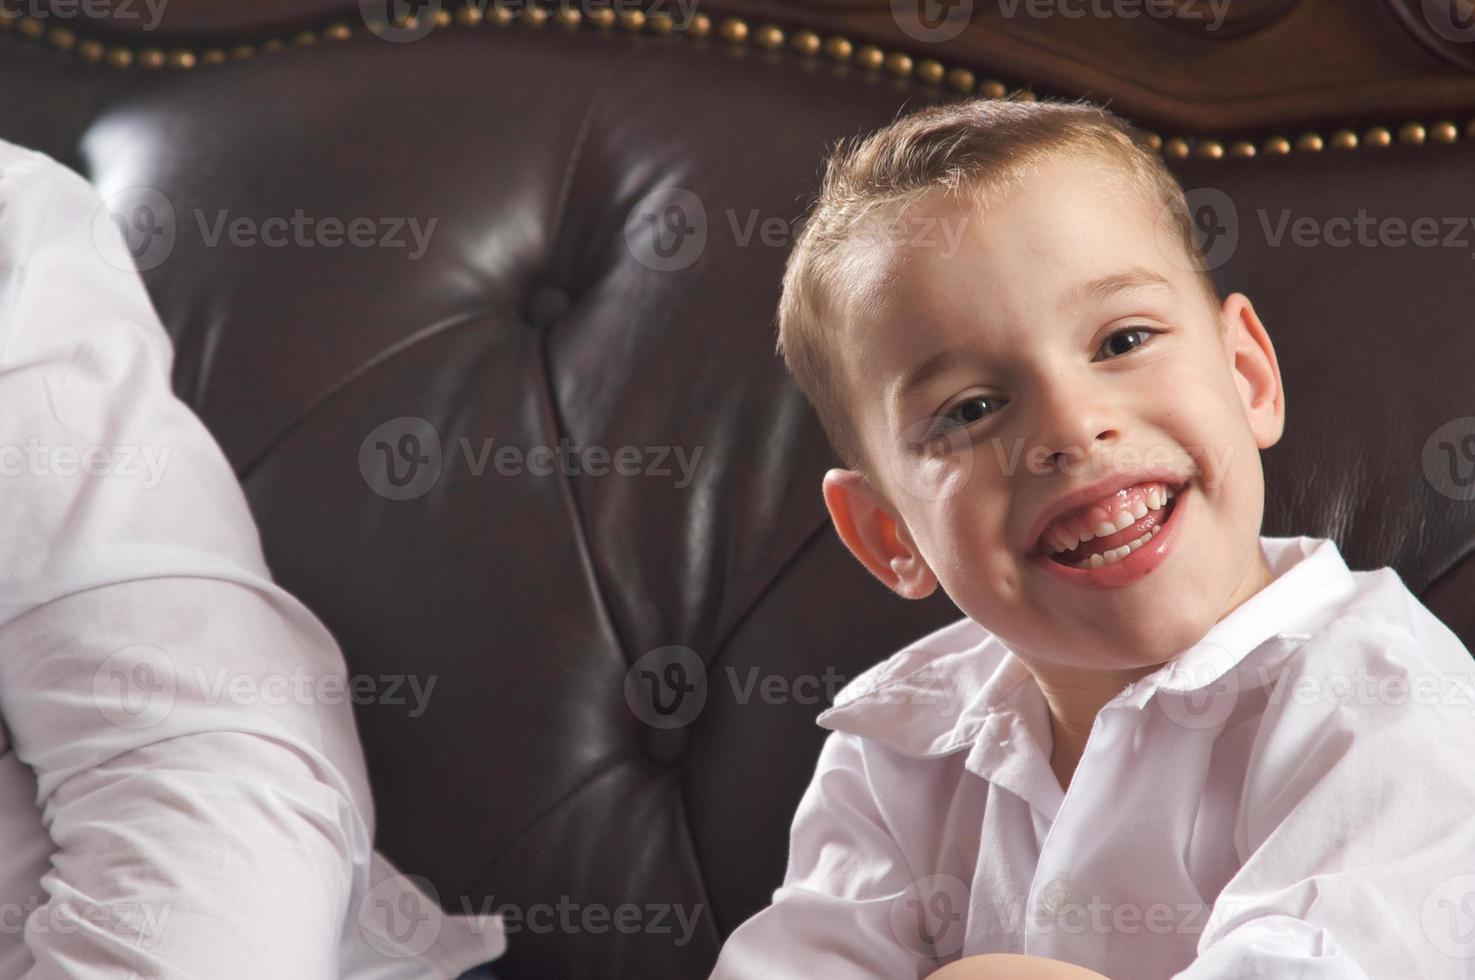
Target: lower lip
(1138, 565)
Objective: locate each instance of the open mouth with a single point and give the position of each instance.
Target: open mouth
(1106, 531)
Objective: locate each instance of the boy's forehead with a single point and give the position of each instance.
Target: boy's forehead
(1042, 243)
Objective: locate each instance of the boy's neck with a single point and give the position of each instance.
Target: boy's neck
(1076, 697)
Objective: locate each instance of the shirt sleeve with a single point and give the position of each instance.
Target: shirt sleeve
(849, 907)
(1356, 820)
(196, 763)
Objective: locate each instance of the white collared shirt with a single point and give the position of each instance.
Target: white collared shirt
(172, 804)
(1292, 797)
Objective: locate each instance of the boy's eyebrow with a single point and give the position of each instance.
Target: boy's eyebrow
(940, 362)
(924, 372)
(1107, 286)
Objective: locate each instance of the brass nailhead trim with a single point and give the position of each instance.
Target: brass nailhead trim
(838, 49)
(769, 36)
(806, 42)
(734, 29)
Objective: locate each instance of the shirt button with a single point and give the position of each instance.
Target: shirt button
(1058, 898)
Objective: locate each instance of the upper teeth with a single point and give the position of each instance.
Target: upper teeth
(1095, 522)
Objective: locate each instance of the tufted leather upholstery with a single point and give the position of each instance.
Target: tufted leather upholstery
(533, 315)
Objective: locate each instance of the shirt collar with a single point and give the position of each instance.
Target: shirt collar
(936, 696)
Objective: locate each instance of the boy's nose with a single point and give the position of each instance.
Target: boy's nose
(1072, 424)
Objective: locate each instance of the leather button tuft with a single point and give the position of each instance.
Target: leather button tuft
(545, 305)
(666, 746)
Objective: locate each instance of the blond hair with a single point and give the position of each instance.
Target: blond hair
(975, 147)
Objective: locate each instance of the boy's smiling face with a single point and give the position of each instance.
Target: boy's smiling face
(1066, 346)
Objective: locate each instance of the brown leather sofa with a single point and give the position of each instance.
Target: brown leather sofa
(568, 163)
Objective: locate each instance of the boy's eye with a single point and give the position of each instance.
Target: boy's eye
(965, 413)
(1122, 341)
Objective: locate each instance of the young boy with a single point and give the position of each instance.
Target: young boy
(1160, 744)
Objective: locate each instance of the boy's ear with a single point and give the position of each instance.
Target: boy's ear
(1256, 372)
(874, 536)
